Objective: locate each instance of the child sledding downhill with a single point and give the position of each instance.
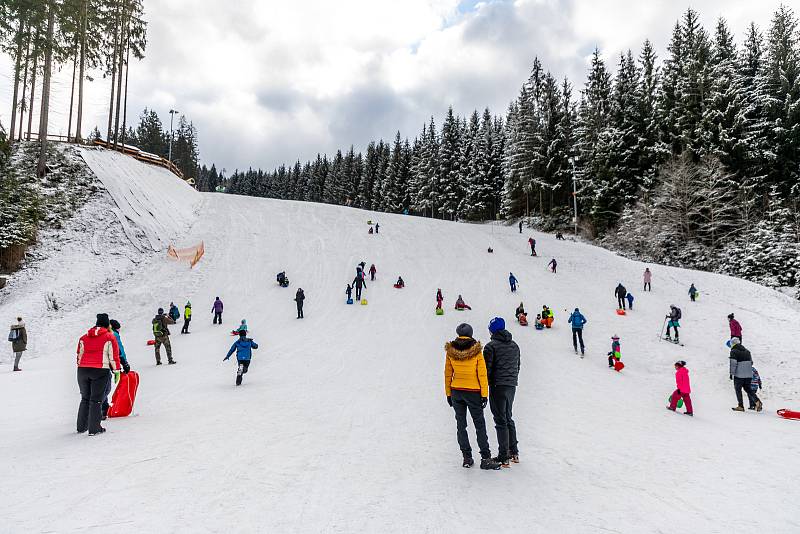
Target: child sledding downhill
(243, 348)
(461, 305)
(683, 389)
(547, 317)
(400, 284)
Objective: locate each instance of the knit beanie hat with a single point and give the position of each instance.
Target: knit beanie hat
(102, 320)
(497, 324)
(114, 324)
(464, 330)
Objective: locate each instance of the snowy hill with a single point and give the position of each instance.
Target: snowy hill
(341, 424)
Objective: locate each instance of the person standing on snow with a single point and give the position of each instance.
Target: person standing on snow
(693, 293)
(174, 312)
(123, 359)
(578, 321)
(741, 363)
(187, 318)
(673, 319)
(299, 297)
(520, 226)
(648, 276)
(439, 299)
(629, 298)
(502, 359)
(97, 357)
(349, 292)
(532, 243)
(616, 351)
(682, 390)
(216, 309)
(161, 335)
(359, 283)
(553, 264)
(372, 271)
(467, 389)
(377, 227)
(243, 348)
(620, 292)
(512, 281)
(736, 328)
(18, 336)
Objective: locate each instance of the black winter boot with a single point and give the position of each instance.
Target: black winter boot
(468, 461)
(489, 464)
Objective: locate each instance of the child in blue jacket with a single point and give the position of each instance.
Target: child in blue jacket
(243, 348)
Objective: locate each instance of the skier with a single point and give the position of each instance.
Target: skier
(400, 284)
(629, 298)
(467, 389)
(520, 311)
(161, 335)
(502, 359)
(187, 318)
(552, 265)
(461, 305)
(532, 243)
(97, 355)
(123, 359)
(372, 271)
(349, 292)
(359, 283)
(683, 389)
(520, 226)
(615, 353)
(693, 293)
(736, 328)
(174, 312)
(674, 318)
(377, 227)
(741, 363)
(18, 336)
(620, 292)
(648, 276)
(578, 321)
(243, 348)
(512, 281)
(299, 297)
(216, 309)
(439, 299)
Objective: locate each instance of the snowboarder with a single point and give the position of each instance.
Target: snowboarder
(299, 297)
(629, 298)
(532, 243)
(187, 318)
(244, 351)
(682, 390)
(615, 354)
(281, 279)
(578, 321)
(502, 359)
(552, 265)
(439, 299)
(520, 226)
(161, 324)
(647, 277)
(736, 328)
(377, 227)
(359, 283)
(741, 363)
(372, 272)
(18, 336)
(97, 356)
(461, 305)
(519, 311)
(123, 360)
(467, 389)
(673, 319)
(174, 312)
(349, 292)
(693, 293)
(620, 292)
(400, 284)
(512, 281)
(216, 309)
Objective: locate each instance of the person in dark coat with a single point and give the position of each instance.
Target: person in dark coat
(299, 297)
(216, 309)
(372, 272)
(553, 265)
(349, 292)
(359, 283)
(741, 372)
(161, 324)
(520, 227)
(377, 227)
(620, 292)
(20, 341)
(502, 369)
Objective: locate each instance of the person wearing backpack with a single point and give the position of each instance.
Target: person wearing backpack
(187, 318)
(620, 292)
(18, 336)
(243, 348)
(673, 319)
(161, 335)
(741, 372)
(174, 312)
(577, 320)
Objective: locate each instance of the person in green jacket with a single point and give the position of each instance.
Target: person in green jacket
(187, 318)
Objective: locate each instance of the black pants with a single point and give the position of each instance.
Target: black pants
(621, 303)
(217, 317)
(358, 292)
(577, 335)
(372, 276)
(647, 286)
(744, 383)
(92, 384)
(464, 401)
(693, 296)
(241, 369)
(501, 401)
(300, 309)
(185, 329)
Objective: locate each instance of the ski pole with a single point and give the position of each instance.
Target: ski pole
(661, 335)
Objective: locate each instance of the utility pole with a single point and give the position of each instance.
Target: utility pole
(172, 113)
(574, 194)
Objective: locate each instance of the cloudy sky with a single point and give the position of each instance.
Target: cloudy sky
(272, 81)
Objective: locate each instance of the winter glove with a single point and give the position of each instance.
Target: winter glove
(126, 367)
(450, 401)
(484, 401)
(116, 377)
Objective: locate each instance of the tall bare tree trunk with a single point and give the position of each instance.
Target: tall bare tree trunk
(14, 103)
(82, 69)
(125, 105)
(72, 90)
(41, 168)
(23, 104)
(33, 82)
(113, 75)
(123, 44)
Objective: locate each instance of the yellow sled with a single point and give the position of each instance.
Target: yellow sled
(363, 302)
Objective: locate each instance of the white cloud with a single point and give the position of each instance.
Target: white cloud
(272, 81)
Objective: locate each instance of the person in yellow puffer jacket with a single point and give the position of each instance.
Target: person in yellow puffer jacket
(467, 389)
(187, 318)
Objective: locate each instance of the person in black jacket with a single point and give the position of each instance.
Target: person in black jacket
(299, 297)
(502, 369)
(359, 283)
(741, 372)
(620, 293)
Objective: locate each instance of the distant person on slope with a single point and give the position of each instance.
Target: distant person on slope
(174, 312)
(467, 389)
(400, 284)
(682, 389)
(216, 309)
(520, 226)
(242, 326)
(629, 298)
(673, 319)
(532, 243)
(439, 299)
(461, 305)
(741, 363)
(502, 359)
(349, 292)
(372, 272)
(359, 283)
(620, 292)
(616, 351)
(693, 293)
(97, 357)
(520, 311)
(18, 336)
(187, 318)
(299, 297)
(648, 276)
(736, 328)
(243, 348)
(553, 265)
(512, 281)
(161, 335)
(377, 227)
(578, 321)
(559, 236)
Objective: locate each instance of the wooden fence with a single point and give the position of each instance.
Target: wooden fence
(146, 157)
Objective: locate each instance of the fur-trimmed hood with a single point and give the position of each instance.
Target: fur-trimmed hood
(463, 348)
(20, 324)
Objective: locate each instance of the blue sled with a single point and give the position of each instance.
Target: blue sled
(349, 301)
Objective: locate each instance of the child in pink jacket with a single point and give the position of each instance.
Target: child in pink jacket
(684, 389)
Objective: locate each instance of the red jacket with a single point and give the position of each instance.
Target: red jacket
(682, 380)
(736, 328)
(98, 348)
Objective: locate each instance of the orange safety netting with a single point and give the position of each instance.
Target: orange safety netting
(191, 254)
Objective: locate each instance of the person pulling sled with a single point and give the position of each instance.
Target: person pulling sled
(682, 389)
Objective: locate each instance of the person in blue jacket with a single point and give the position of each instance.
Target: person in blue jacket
(123, 359)
(577, 320)
(244, 351)
(629, 298)
(512, 281)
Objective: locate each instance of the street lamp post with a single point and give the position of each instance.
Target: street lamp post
(172, 113)
(574, 195)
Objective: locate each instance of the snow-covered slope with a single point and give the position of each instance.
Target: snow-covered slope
(342, 425)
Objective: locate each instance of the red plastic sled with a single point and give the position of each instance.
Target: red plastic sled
(618, 366)
(398, 287)
(789, 414)
(523, 320)
(620, 311)
(125, 395)
(151, 342)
